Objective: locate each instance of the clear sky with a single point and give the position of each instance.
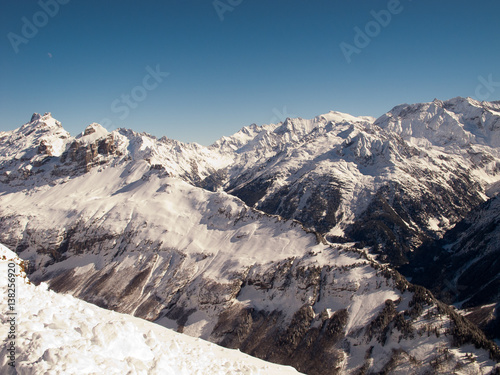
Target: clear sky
(231, 63)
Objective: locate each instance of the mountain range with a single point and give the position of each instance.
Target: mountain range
(282, 240)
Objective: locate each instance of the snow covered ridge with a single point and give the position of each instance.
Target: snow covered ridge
(42, 152)
(460, 121)
(59, 334)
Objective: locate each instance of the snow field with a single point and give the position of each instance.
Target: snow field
(59, 334)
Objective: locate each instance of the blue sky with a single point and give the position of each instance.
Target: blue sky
(231, 63)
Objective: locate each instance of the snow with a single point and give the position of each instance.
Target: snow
(190, 214)
(336, 116)
(456, 121)
(94, 132)
(365, 306)
(18, 144)
(433, 224)
(416, 146)
(59, 334)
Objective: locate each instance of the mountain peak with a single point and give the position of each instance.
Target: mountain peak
(92, 133)
(38, 121)
(459, 121)
(35, 117)
(461, 101)
(336, 116)
(94, 128)
(38, 117)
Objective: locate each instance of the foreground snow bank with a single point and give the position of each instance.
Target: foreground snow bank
(59, 334)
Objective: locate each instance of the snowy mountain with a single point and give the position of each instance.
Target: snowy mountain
(42, 152)
(59, 334)
(393, 183)
(128, 222)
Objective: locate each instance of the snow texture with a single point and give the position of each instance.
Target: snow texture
(59, 334)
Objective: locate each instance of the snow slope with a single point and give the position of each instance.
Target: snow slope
(59, 334)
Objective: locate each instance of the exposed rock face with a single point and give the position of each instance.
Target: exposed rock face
(313, 200)
(487, 318)
(464, 266)
(89, 130)
(89, 155)
(397, 220)
(45, 148)
(35, 117)
(340, 175)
